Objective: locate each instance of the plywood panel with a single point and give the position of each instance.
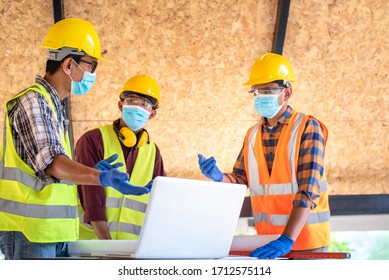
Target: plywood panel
(339, 52)
(23, 27)
(200, 53)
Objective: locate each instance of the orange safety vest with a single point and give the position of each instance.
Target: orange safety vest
(272, 195)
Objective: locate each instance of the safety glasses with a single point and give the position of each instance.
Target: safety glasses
(137, 101)
(91, 63)
(267, 91)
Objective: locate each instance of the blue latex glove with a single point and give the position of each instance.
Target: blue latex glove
(208, 168)
(149, 184)
(274, 249)
(119, 181)
(106, 164)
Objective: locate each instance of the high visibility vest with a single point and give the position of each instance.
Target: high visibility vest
(125, 213)
(43, 213)
(272, 195)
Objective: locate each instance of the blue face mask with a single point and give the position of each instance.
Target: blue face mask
(83, 86)
(267, 105)
(135, 117)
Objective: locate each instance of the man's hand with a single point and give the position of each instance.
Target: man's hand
(208, 168)
(274, 249)
(149, 184)
(106, 164)
(119, 181)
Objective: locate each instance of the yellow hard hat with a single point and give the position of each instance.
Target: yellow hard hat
(270, 67)
(143, 84)
(72, 36)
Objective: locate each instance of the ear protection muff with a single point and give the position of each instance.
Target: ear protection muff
(130, 139)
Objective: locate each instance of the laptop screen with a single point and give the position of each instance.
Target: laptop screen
(185, 218)
(188, 218)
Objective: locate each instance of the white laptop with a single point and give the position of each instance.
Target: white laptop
(185, 219)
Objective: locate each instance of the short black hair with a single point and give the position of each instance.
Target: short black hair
(52, 66)
(282, 83)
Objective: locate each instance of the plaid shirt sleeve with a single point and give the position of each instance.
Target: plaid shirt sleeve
(36, 132)
(310, 165)
(238, 175)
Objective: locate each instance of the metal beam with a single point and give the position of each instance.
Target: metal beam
(280, 27)
(343, 205)
(364, 204)
(58, 12)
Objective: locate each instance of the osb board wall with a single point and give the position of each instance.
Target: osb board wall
(339, 51)
(23, 27)
(201, 52)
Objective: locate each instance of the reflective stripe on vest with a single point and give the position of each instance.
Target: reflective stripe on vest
(113, 202)
(38, 211)
(125, 213)
(124, 227)
(271, 199)
(282, 220)
(15, 174)
(42, 212)
(281, 189)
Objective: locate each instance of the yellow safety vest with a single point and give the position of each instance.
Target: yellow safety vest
(125, 213)
(272, 195)
(43, 213)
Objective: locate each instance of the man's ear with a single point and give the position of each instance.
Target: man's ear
(153, 113)
(120, 105)
(288, 93)
(67, 65)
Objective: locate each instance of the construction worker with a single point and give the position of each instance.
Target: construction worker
(282, 163)
(38, 198)
(106, 213)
